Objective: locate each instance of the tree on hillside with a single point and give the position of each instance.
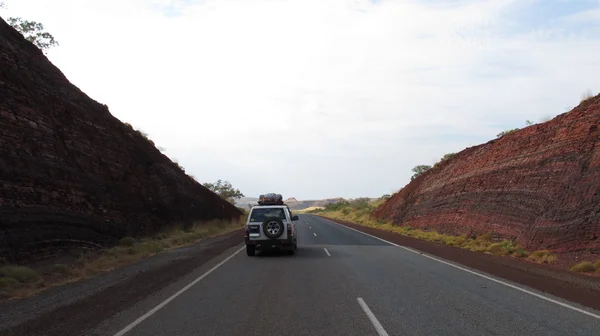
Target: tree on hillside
(418, 170)
(33, 31)
(225, 190)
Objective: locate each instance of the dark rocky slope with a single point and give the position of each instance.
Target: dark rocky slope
(539, 185)
(71, 173)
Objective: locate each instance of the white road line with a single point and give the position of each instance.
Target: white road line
(372, 317)
(310, 227)
(315, 234)
(324, 248)
(164, 303)
(562, 304)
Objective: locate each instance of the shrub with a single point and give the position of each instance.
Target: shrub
(508, 246)
(583, 267)
(542, 256)
(127, 241)
(496, 249)
(486, 237)
(520, 253)
(19, 273)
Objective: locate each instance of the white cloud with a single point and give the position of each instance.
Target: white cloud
(357, 92)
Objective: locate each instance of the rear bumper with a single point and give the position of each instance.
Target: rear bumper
(263, 244)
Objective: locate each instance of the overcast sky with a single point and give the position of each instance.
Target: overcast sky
(323, 98)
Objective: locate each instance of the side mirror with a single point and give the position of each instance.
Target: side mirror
(295, 217)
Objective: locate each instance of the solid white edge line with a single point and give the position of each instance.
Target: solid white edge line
(326, 251)
(172, 297)
(478, 274)
(372, 317)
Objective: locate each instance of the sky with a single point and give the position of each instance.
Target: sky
(315, 99)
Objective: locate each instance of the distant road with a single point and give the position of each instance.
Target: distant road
(342, 282)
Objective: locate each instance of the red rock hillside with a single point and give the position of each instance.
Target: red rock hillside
(539, 185)
(71, 173)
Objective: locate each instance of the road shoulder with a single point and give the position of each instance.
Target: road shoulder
(76, 308)
(578, 288)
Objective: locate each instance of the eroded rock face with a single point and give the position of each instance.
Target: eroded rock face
(539, 185)
(71, 173)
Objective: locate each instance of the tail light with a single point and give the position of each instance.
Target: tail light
(289, 230)
(247, 233)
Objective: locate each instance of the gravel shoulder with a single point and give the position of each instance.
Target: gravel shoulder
(578, 288)
(74, 308)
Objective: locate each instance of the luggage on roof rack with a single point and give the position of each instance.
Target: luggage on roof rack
(270, 199)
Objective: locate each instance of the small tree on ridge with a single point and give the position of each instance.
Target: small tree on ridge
(225, 190)
(33, 31)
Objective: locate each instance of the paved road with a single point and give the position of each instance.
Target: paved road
(342, 282)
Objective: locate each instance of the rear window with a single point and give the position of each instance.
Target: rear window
(260, 214)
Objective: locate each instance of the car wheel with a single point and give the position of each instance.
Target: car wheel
(273, 227)
(250, 250)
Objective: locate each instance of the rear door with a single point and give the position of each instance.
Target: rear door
(257, 217)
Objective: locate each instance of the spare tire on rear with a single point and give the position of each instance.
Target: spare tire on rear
(272, 227)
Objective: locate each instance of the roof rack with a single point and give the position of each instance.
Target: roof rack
(270, 199)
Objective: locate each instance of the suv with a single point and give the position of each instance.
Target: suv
(271, 226)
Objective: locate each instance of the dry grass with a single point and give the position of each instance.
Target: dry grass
(543, 257)
(306, 210)
(583, 267)
(482, 243)
(587, 267)
(20, 281)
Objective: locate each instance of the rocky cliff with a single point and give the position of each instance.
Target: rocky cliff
(539, 185)
(71, 173)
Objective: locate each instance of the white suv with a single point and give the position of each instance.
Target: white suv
(271, 227)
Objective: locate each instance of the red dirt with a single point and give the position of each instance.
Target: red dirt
(578, 288)
(539, 185)
(74, 176)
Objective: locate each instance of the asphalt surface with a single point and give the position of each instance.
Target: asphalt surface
(342, 282)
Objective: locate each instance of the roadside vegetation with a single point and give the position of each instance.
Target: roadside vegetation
(18, 281)
(587, 267)
(359, 211)
(308, 210)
